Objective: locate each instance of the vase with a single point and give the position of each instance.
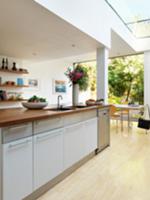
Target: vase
(75, 94)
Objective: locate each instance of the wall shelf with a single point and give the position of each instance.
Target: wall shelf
(11, 101)
(13, 86)
(5, 86)
(13, 71)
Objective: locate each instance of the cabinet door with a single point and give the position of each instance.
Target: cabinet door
(90, 131)
(48, 156)
(17, 169)
(74, 141)
(103, 126)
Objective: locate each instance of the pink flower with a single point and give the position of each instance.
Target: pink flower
(75, 76)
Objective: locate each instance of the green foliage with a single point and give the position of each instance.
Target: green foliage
(36, 99)
(126, 79)
(84, 81)
(91, 70)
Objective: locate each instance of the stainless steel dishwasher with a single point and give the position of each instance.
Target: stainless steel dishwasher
(103, 129)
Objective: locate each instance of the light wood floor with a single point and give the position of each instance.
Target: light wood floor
(121, 172)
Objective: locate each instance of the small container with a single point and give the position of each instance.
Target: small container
(14, 68)
(20, 81)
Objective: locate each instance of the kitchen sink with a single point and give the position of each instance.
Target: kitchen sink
(65, 108)
(62, 108)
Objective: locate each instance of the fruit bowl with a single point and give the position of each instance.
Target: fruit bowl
(34, 105)
(90, 102)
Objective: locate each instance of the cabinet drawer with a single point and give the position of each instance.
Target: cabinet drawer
(47, 125)
(79, 117)
(16, 132)
(72, 119)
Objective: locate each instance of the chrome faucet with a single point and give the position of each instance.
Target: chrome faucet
(58, 101)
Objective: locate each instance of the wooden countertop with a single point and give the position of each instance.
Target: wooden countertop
(20, 115)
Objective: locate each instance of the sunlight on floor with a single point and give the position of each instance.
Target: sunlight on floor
(121, 172)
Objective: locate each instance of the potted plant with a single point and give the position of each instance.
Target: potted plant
(79, 79)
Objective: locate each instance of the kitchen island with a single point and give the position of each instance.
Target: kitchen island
(39, 148)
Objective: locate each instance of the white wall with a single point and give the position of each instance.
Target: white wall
(147, 78)
(95, 18)
(86, 15)
(102, 74)
(45, 72)
(143, 44)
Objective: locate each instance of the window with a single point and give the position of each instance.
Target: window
(135, 14)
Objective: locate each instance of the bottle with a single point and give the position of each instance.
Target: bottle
(3, 63)
(14, 66)
(6, 64)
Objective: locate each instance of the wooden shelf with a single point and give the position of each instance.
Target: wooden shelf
(13, 71)
(12, 101)
(14, 86)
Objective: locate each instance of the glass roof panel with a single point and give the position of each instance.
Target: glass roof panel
(135, 14)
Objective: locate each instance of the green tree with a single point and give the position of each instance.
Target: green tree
(126, 79)
(91, 66)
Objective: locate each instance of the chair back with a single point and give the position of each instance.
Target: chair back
(113, 109)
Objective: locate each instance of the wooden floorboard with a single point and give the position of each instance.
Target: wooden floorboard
(121, 172)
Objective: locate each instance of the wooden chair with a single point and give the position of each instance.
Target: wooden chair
(115, 115)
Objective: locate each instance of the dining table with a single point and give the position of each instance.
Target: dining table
(126, 109)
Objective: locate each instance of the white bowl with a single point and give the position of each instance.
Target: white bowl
(34, 105)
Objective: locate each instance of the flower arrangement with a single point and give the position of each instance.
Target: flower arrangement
(78, 75)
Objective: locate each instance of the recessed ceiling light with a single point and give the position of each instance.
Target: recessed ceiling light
(34, 54)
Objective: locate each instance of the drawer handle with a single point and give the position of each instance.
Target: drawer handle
(18, 127)
(11, 146)
(41, 122)
(40, 138)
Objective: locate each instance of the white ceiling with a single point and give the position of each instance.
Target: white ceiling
(29, 31)
(119, 47)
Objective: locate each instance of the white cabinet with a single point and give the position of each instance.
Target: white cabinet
(48, 156)
(17, 169)
(90, 131)
(74, 141)
(30, 161)
(79, 140)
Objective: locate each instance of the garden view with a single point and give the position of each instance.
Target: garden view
(125, 77)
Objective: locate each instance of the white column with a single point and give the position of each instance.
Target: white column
(102, 74)
(147, 78)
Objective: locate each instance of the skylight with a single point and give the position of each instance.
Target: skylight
(135, 14)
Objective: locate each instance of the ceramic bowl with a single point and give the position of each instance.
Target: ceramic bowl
(34, 105)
